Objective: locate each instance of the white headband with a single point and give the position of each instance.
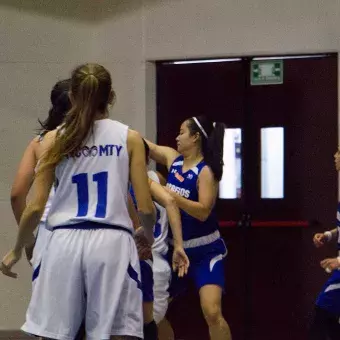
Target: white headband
(200, 127)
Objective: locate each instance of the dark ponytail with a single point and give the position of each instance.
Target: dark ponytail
(212, 135)
(61, 104)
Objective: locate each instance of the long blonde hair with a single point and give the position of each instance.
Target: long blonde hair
(91, 92)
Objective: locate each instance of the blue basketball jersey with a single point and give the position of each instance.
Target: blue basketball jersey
(185, 185)
(338, 226)
(329, 298)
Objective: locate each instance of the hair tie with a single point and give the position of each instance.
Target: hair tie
(200, 127)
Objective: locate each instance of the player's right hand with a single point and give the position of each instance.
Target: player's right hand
(319, 240)
(10, 259)
(180, 262)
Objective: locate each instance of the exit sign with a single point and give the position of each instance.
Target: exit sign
(266, 72)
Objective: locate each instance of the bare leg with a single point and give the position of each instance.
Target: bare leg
(165, 331)
(210, 296)
(147, 312)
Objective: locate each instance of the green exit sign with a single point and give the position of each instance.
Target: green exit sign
(266, 72)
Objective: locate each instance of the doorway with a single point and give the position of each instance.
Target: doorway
(279, 183)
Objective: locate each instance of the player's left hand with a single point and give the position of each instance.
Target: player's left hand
(10, 259)
(330, 264)
(180, 262)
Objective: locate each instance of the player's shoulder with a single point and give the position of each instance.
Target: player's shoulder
(134, 138)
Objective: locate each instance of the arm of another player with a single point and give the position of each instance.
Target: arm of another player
(140, 184)
(207, 193)
(143, 245)
(32, 214)
(162, 154)
(23, 180)
(320, 239)
(180, 261)
(22, 185)
(133, 213)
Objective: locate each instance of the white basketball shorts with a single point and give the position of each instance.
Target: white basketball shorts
(41, 242)
(161, 278)
(90, 275)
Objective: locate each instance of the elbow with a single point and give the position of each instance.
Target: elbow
(15, 196)
(203, 216)
(35, 210)
(17, 200)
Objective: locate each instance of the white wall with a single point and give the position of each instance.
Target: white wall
(187, 28)
(40, 44)
(37, 49)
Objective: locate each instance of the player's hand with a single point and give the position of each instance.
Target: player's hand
(180, 262)
(330, 264)
(143, 246)
(319, 240)
(9, 261)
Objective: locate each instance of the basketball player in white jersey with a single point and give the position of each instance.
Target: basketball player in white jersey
(90, 269)
(156, 274)
(25, 175)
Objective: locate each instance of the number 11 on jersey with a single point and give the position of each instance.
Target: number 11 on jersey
(81, 180)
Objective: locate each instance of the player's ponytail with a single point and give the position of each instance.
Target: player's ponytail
(211, 137)
(91, 92)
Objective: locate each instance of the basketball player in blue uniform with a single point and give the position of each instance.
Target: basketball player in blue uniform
(155, 271)
(326, 323)
(90, 269)
(195, 170)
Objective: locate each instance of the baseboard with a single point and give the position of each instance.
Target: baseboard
(14, 335)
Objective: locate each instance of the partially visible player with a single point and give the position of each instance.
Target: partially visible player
(90, 270)
(326, 323)
(194, 171)
(25, 175)
(156, 272)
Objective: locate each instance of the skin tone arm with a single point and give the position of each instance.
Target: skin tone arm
(162, 154)
(133, 213)
(321, 239)
(140, 184)
(23, 180)
(180, 261)
(207, 193)
(32, 214)
(162, 180)
(168, 202)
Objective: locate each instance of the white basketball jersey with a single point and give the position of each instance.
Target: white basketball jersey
(48, 206)
(160, 244)
(93, 184)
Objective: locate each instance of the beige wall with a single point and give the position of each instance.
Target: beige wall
(37, 49)
(40, 44)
